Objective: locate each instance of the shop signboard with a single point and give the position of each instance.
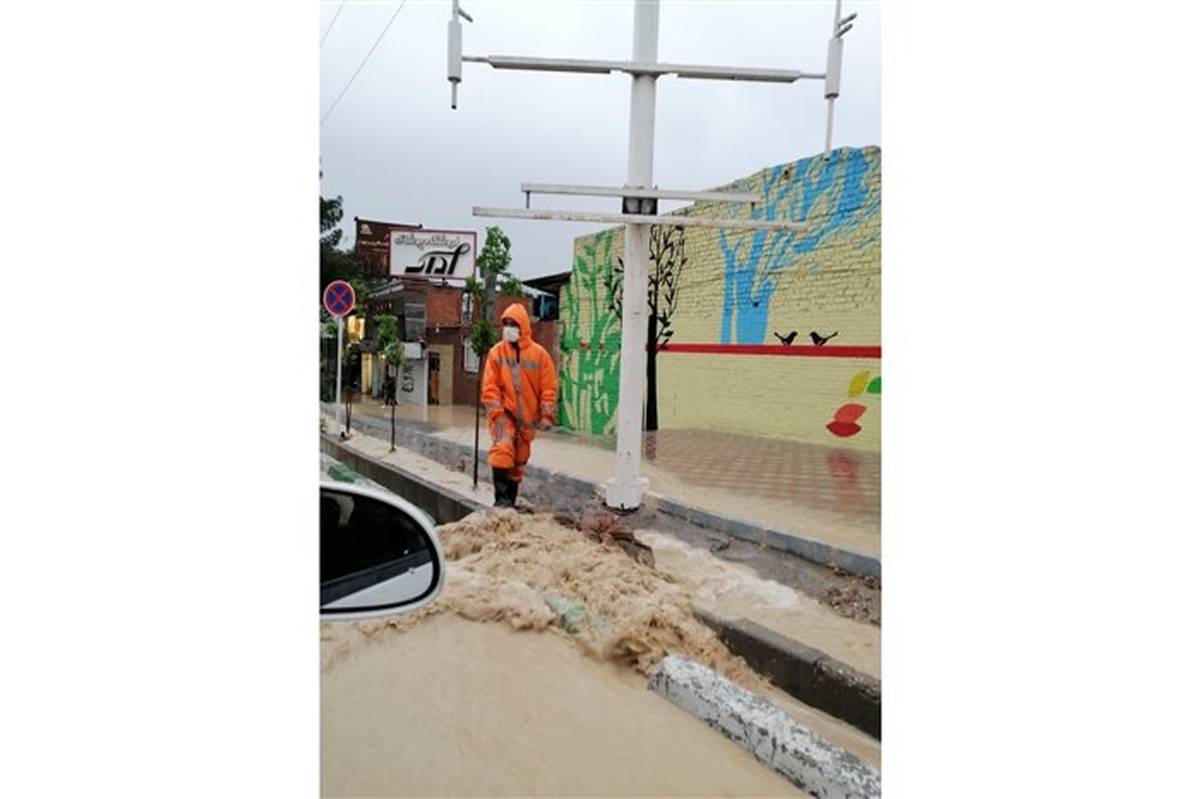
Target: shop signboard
(432, 254)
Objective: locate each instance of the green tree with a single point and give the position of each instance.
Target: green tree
(496, 256)
(336, 263)
(511, 285)
(331, 217)
(493, 262)
(387, 329)
(387, 337)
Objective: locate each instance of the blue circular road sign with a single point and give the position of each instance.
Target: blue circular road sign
(339, 298)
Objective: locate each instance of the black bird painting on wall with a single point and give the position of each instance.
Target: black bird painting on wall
(820, 340)
(788, 339)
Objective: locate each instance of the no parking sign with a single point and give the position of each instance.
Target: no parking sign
(338, 298)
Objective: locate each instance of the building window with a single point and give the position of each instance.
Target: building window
(470, 359)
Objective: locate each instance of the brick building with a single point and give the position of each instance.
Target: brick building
(439, 368)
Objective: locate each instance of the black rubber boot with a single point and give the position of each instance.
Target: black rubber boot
(503, 489)
(513, 486)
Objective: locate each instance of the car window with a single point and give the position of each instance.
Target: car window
(362, 534)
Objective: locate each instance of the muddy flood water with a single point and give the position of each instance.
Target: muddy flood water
(486, 692)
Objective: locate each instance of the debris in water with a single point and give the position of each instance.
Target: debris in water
(536, 574)
(609, 529)
(342, 473)
(851, 602)
(573, 616)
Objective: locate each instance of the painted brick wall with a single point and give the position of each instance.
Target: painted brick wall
(546, 333)
(725, 291)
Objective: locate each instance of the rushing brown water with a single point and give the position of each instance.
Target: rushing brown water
(735, 591)
(504, 567)
(433, 703)
(455, 708)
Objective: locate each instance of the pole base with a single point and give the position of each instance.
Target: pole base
(625, 494)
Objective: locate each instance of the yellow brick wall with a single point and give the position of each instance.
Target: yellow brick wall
(739, 287)
(765, 395)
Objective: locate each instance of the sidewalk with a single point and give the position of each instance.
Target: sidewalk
(820, 493)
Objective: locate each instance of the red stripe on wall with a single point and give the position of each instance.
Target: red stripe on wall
(804, 350)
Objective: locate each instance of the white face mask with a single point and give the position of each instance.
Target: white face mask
(511, 334)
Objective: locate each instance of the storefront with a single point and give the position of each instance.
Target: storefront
(434, 317)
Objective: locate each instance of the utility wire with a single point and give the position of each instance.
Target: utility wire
(367, 58)
(335, 16)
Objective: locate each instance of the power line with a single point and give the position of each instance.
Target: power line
(335, 16)
(364, 62)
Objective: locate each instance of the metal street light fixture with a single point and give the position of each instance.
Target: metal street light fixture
(639, 197)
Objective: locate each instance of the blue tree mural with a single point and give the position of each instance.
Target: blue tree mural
(830, 195)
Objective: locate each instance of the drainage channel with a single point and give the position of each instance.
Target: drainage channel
(440, 504)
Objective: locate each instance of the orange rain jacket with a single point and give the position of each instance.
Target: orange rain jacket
(520, 388)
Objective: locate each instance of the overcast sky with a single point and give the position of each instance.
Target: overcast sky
(396, 152)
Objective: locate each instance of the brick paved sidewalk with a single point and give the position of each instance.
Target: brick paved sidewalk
(818, 492)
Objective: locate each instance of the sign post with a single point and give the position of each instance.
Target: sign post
(338, 299)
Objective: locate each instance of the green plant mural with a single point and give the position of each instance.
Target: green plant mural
(591, 342)
(667, 261)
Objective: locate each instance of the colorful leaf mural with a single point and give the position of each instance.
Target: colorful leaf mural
(845, 418)
(858, 384)
(843, 429)
(850, 412)
(591, 342)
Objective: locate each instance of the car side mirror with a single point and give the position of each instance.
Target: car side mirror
(379, 554)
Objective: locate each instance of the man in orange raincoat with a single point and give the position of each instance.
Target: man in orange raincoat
(520, 394)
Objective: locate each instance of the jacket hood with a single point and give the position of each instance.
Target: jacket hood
(517, 313)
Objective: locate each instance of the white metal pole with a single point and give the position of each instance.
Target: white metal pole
(337, 397)
(626, 487)
(837, 18)
(829, 129)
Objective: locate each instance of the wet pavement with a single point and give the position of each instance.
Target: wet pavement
(453, 707)
(564, 700)
(819, 492)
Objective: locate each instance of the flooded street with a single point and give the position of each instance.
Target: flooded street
(457, 708)
(527, 676)
(735, 591)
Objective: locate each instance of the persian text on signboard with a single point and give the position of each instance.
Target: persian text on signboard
(434, 254)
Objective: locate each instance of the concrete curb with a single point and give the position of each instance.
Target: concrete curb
(458, 456)
(797, 753)
(808, 674)
(811, 549)
(443, 504)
